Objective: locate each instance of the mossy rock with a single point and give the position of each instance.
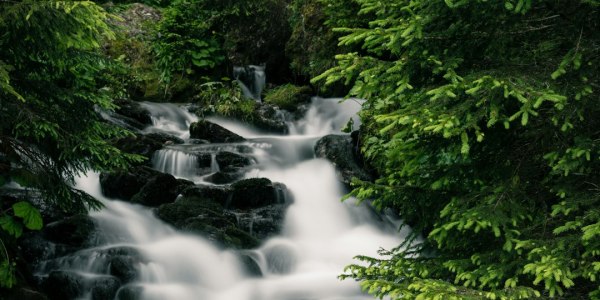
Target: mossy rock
(289, 96)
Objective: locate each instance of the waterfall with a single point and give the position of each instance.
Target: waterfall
(320, 234)
(252, 80)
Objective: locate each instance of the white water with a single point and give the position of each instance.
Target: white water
(321, 235)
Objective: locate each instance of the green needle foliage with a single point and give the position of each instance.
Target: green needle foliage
(52, 81)
(483, 120)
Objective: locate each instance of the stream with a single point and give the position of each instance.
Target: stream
(320, 234)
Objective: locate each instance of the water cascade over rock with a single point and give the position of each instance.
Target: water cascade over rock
(274, 230)
(252, 80)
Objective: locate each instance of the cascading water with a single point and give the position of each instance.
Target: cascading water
(252, 80)
(320, 236)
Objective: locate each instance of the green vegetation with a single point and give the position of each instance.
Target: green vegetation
(52, 79)
(482, 119)
(224, 98)
(288, 96)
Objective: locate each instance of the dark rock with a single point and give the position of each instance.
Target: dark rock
(133, 110)
(164, 138)
(105, 287)
(63, 285)
(75, 231)
(232, 161)
(213, 133)
(160, 189)
(125, 184)
(123, 267)
(34, 248)
(253, 193)
(25, 293)
(263, 222)
(339, 150)
(269, 118)
(129, 292)
(147, 144)
(205, 194)
(177, 213)
(223, 177)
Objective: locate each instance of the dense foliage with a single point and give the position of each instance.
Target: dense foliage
(483, 121)
(52, 82)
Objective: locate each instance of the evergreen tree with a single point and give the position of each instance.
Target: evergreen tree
(52, 81)
(482, 119)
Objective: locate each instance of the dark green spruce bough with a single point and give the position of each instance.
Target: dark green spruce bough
(484, 122)
(52, 78)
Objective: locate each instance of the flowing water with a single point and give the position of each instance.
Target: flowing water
(320, 236)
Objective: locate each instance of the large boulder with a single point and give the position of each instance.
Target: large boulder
(255, 193)
(125, 184)
(147, 144)
(133, 110)
(339, 150)
(160, 189)
(201, 214)
(104, 287)
(64, 285)
(268, 117)
(212, 132)
(142, 185)
(76, 231)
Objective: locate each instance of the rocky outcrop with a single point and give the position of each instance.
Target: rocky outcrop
(75, 231)
(339, 150)
(255, 193)
(269, 118)
(146, 144)
(133, 111)
(238, 217)
(142, 185)
(212, 132)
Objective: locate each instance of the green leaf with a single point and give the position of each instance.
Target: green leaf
(30, 215)
(11, 226)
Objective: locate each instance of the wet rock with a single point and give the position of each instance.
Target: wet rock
(25, 293)
(269, 118)
(232, 161)
(212, 132)
(160, 189)
(75, 231)
(263, 222)
(125, 184)
(205, 194)
(147, 144)
(133, 110)
(223, 177)
(129, 292)
(123, 267)
(104, 287)
(35, 248)
(63, 285)
(186, 208)
(339, 150)
(254, 193)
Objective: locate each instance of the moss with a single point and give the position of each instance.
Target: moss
(288, 96)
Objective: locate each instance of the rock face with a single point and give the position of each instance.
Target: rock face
(147, 144)
(254, 193)
(134, 111)
(266, 117)
(212, 132)
(339, 150)
(239, 216)
(75, 231)
(142, 185)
